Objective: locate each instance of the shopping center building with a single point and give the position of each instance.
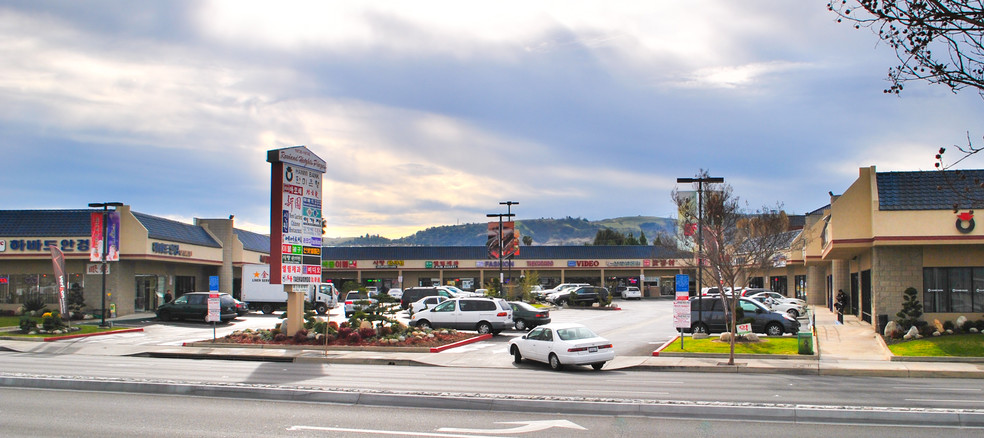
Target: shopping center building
(887, 232)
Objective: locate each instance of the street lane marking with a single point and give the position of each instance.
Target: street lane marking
(387, 432)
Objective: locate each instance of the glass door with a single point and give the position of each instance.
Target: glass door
(145, 297)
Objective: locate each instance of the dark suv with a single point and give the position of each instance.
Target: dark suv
(583, 295)
(764, 319)
(194, 305)
(415, 293)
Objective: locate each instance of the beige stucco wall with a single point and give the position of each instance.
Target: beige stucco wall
(851, 212)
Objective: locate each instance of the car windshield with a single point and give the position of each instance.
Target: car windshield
(575, 333)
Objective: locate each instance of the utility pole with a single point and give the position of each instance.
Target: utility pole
(700, 235)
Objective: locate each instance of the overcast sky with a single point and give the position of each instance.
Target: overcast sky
(431, 113)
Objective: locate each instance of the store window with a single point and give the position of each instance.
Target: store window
(778, 284)
(953, 290)
(800, 286)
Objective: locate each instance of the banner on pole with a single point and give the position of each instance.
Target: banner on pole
(58, 260)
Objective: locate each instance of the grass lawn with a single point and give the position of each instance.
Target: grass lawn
(964, 345)
(783, 345)
(9, 321)
(86, 329)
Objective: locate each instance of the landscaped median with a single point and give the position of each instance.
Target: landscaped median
(786, 347)
(957, 348)
(84, 331)
(224, 343)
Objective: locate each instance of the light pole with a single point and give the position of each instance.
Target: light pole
(700, 235)
(105, 249)
(509, 205)
(498, 254)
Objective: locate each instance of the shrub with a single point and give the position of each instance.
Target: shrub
(353, 338)
(279, 337)
(34, 303)
(51, 321)
(926, 330)
(911, 309)
(300, 336)
(344, 332)
(27, 324)
(385, 330)
(333, 325)
(948, 325)
(76, 302)
(367, 333)
(979, 324)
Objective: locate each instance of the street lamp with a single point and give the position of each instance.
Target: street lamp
(498, 254)
(105, 248)
(700, 234)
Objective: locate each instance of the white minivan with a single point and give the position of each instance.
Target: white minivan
(484, 315)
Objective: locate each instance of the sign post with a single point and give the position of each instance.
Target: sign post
(295, 225)
(681, 305)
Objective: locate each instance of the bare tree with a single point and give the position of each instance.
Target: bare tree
(736, 243)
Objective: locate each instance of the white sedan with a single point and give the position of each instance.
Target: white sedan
(560, 344)
(631, 292)
(789, 307)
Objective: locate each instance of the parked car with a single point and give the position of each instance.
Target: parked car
(356, 301)
(765, 320)
(631, 293)
(793, 309)
(526, 317)
(242, 307)
(194, 305)
(415, 293)
(426, 303)
(552, 295)
(562, 344)
(484, 315)
(458, 293)
(395, 293)
(582, 295)
(779, 297)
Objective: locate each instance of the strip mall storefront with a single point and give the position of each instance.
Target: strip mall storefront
(156, 255)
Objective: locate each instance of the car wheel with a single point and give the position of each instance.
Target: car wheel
(774, 329)
(517, 356)
(562, 302)
(164, 315)
(699, 327)
(597, 366)
(555, 362)
(267, 309)
(348, 315)
(793, 312)
(424, 324)
(321, 308)
(520, 325)
(484, 328)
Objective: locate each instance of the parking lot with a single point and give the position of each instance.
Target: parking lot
(636, 330)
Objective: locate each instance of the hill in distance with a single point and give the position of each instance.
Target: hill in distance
(567, 231)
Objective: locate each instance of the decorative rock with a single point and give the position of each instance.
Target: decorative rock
(961, 320)
(700, 336)
(752, 337)
(907, 336)
(938, 325)
(912, 333)
(365, 325)
(974, 330)
(725, 337)
(936, 333)
(892, 330)
(949, 332)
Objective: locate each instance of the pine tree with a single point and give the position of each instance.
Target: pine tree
(911, 309)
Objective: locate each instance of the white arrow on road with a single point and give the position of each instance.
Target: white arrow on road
(527, 426)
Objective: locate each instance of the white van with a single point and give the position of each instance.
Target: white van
(484, 315)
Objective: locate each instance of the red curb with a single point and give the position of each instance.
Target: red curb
(460, 343)
(667, 344)
(58, 338)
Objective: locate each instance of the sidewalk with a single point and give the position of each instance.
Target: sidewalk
(849, 349)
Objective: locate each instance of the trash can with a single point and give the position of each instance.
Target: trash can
(805, 341)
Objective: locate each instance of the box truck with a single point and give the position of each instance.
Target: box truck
(260, 294)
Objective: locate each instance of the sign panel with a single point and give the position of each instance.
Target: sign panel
(681, 314)
(214, 309)
(213, 283)
(744, 329)
(297, 208)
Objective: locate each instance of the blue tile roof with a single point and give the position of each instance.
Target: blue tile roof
(167, 229)
(44, 223)
(253, 241)
(479, 252)
(932, 190)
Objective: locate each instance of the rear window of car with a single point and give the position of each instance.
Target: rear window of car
(523, 306)
(575, 333)
(356, 296)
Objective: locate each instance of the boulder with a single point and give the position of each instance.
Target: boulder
(725, 337)
(938, 325)
(365, 325)
(937, 333)
(700, 336)
(961, 320)
(892, 330)
(912, 333)
(752, 337)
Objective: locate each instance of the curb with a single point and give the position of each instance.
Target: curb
(460, 343)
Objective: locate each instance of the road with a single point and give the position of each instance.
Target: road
(30, 413)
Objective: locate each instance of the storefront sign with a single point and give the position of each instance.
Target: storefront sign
(388, 264)
(168, 249)
(624, 264)
(38, 245)
(96, 268)
(583, 263)
(493, 263)
(340, 264)
(659, 263)
(539, 263)
(451, 264)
